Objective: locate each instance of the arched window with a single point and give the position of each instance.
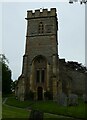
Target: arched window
(40, 69)
(41, 27)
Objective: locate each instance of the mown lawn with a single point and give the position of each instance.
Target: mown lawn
(11, 112)
(51, 107)
(21, 104)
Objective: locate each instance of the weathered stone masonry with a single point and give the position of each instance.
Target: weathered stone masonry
(40, 62)
(42, 69)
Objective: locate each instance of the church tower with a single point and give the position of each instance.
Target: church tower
(40, 61)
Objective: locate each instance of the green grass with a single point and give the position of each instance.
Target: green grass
(52, 117)
(21, 104)
(10, 112)
(51, 107)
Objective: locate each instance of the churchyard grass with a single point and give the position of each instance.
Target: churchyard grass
(51, 107)
(9, 112)
(12, 101)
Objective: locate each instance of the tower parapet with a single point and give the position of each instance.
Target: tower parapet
(43, 13)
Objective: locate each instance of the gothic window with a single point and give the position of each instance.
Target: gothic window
(40, 69)
(41, 27)
(40, 76)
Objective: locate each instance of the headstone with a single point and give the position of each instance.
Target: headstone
(36, 115)
(62, 99)
(72, 99)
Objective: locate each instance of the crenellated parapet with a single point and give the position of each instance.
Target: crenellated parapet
(38, 13)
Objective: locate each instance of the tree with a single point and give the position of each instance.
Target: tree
(76, 66)
(14, 84)
(6, 75)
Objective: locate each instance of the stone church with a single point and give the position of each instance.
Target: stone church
(40, 71)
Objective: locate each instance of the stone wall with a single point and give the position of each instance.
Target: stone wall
(78, 81)
(73, 80)
(41, 41)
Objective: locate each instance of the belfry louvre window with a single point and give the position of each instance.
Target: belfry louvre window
(41, 27)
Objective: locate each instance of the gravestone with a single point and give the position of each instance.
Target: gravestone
(72, 99)
(62, 99)
(36, 115)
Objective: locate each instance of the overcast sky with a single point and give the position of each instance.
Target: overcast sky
(71, 34)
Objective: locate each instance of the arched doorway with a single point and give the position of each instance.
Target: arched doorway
(40, 93)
